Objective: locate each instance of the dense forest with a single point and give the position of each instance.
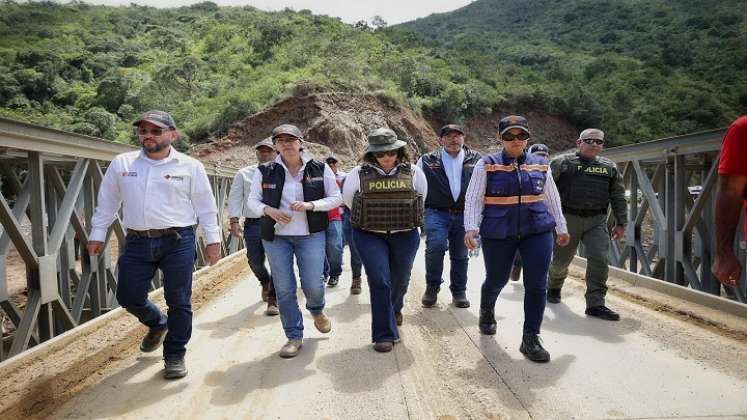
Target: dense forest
(638, 68)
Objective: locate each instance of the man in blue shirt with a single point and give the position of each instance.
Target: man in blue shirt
(448, 171)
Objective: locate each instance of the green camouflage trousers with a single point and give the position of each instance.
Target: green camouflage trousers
(592, 232)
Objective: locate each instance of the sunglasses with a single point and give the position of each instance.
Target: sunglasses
(142, 132)
(380, 155)
(598, 142)
(511, 137)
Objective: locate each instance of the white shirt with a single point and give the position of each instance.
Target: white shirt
(353, 183)
(293, 191)
(453, 169)
(239, 194)
(474, 200)
(156, 194)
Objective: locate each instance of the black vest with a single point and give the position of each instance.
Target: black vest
(273, 180)
(439, 194)
(584, 184)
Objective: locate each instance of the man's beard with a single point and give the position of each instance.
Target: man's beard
(154, 149)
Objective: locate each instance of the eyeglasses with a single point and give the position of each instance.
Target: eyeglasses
(511, 137)
(380, 155)
(598, 142)
(142, 132)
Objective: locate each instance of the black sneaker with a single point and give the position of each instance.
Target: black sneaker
(487, 322)
(553, 295)
(332, 282)
(459, 300)
(174, 368)
(430, 296)
(603, 312)
(153, 340)
(531, 347)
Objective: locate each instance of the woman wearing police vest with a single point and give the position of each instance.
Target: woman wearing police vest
(294, 193)
(513, 204)
(386, 195)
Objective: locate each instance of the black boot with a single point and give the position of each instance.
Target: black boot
(603, 312)
(553, 295)
(459, 299)
(532, 348)
(430, 296)
(487, 322)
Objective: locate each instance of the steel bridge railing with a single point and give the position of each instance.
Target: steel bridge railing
(671, 184)
(50, 181)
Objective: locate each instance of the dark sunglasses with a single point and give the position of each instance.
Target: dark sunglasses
(593, 141)
(511, 137)
(380, 155)
(142, 132)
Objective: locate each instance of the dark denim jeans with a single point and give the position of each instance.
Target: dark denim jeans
(388, 259)
(355, 257)
(175, 257)
(536, 252)
(444, 231)
(309, 253)
(255, 253)
(333, 260)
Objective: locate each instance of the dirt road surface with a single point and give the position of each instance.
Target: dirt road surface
(649, 365)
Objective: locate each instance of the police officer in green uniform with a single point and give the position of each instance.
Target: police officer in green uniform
(588, 184)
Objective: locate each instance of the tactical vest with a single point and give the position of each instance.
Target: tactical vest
(514, 197)
(584, 184)
(273, 180)
(387, 202)
(439, 193)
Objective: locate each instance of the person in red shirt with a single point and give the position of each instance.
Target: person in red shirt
(731, 198)
(333, 262)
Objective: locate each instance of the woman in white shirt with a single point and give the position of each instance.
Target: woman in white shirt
(386, 195)
(293, 194)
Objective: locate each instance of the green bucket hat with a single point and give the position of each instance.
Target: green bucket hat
(382, 140)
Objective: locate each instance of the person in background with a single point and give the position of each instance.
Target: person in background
(385, 195)
(164, 194)
(333, 235)
(588, 185)
(730, 200)
(512, 203)
(238, 207)
(448, 171)
(294, 194)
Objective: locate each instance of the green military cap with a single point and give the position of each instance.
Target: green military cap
(382, 140)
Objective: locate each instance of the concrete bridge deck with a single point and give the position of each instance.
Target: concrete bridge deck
(650, 365)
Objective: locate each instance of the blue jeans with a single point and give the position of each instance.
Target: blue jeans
(137, 265)
(255, 253)
(309, 252)
(388, 259)
(333, 261)
(444, 231)
(355, 257)
(536, 253)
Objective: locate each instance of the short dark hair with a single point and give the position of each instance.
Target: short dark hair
(331, 159)
(402, 157)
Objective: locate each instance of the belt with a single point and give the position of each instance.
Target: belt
(251, 220)
(584, 212)
(448, 210)
(158, 233)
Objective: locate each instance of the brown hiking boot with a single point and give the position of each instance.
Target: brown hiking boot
(398, 318)
(515, 273)
(290, 349)
(322, 323)
(355, 286)
(265, 290)
(383, 346)
(272, 308)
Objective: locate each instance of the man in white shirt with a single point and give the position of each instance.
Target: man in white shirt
(163, 194)
(238, 207)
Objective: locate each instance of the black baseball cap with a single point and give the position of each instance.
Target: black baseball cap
(331, 159)
(451, 127)
(513, 121)
(539, 148)
(160, 118)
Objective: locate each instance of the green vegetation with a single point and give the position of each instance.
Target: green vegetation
(636, 70)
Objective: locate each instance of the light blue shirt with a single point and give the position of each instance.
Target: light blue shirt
(453, 169)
